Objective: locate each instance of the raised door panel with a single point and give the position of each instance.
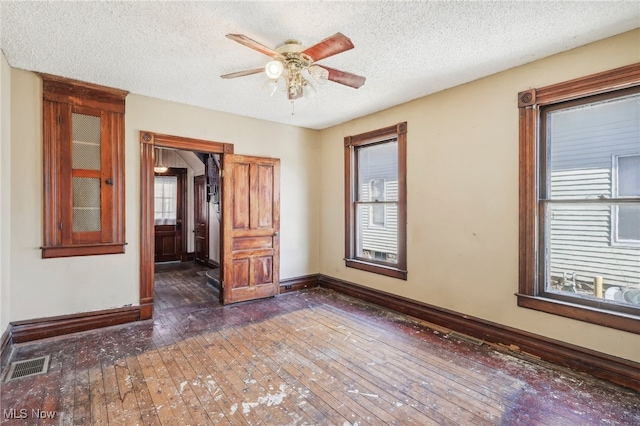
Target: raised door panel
(240, 277)
(262, 269)
(167, 247)
(252, 243)
(241, 177)
(264, 214)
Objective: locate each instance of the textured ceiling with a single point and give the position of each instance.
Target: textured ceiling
(178, 50)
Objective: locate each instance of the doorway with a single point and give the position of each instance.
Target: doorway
(250, 242)
(184, 275)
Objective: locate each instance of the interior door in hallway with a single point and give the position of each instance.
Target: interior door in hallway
(201, 211)
(169, 214)
(251, 242)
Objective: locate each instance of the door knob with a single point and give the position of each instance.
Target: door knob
(275, 234)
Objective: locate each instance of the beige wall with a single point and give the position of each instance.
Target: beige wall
(49, 287)
(463, 197)
(5, 190)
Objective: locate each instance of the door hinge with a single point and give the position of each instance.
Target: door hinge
(222, 284)
(221, 173)
(60, 118)
(60, 225)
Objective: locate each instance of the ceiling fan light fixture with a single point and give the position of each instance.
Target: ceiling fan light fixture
(274, 69)
(158, 167)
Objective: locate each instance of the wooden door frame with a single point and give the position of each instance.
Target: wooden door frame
(149, 141)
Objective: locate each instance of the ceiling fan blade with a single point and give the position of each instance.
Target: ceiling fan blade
(242, 73)
(242, 39)
(343, 77)
(330, 46)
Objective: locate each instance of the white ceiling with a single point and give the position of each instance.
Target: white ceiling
(178, 50)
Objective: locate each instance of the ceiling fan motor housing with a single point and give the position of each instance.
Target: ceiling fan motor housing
(294, 63)
(292, 58)
(290, 46)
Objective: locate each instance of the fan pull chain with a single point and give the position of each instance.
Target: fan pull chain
(293, 108)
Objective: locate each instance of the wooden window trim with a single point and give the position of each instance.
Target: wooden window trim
(530, 292)
(62, 98)
(398, 270)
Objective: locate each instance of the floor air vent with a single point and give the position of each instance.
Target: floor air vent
(29, 367)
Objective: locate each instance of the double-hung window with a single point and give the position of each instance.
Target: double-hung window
(376, 200)
(580, 199)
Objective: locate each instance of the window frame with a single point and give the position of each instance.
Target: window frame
(615, 219)
(61, 99)
(351, 143)
(531, 292)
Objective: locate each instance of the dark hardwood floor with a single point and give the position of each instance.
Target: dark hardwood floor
(181, 288)
(312, 357)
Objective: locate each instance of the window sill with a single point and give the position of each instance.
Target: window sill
(377, 269)
(606, 318)
(82, 250)
(630, 244)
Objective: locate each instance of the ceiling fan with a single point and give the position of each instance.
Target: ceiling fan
(293, 62)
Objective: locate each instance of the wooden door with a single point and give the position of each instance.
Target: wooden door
(168, 229)
(201, 211)
(251, 222)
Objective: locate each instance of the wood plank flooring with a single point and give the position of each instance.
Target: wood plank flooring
(312, 357)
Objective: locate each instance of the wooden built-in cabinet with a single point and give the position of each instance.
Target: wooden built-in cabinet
(83, 137)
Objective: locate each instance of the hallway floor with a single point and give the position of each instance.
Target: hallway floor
(312, 357)
(182, 287)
